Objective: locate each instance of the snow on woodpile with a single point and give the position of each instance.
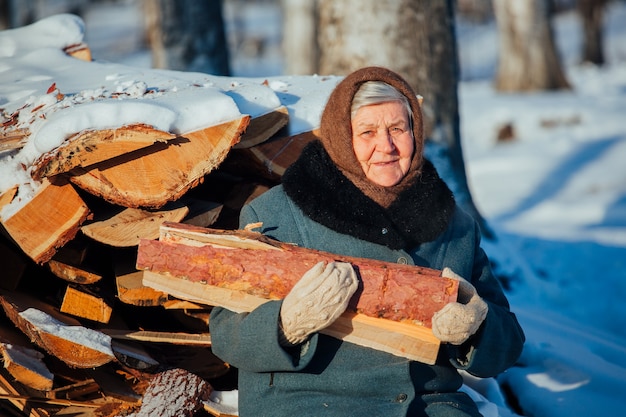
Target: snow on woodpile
(47, 96)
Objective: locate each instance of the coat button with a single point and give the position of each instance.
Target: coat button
(403, 260)
(401, 398)
(384, 231)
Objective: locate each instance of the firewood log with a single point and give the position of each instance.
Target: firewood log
(90, 147)
(240, 270)
(48, 221)
(263, 127)
(27, 366)
(153, 176)
(57, 334)
(128, 226)
(81, 302)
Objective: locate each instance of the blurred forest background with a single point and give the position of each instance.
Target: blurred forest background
(417, 38)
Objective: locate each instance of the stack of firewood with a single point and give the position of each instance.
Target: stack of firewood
(80, 333)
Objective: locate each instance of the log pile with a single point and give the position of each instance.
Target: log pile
(88, 327)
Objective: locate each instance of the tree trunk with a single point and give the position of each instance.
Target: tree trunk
(528, 56)
(415, 38)
(591, 15)
(299, 36)
(188, 35)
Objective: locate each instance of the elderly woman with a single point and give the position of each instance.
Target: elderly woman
(364, 189)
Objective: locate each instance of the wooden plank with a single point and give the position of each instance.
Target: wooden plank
(80, 261)
(175, 338)
(153, 176)
(48, 221)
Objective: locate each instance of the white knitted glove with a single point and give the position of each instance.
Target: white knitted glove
(457, 321)
(316, 301)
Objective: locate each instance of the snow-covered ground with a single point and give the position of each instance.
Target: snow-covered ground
(555, 197)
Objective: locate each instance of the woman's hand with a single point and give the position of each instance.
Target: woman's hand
(316, 301)
(456, 322)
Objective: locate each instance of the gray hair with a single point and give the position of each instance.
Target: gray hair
(377, 92)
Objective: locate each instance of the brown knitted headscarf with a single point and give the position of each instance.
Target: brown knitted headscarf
(336, 132)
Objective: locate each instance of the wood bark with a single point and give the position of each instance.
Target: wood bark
(528, 58)
(240, 270)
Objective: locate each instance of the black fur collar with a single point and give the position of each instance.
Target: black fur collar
(418, 215)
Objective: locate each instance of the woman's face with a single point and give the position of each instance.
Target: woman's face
(383, 142)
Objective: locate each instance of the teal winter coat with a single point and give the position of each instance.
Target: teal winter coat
(327, 377)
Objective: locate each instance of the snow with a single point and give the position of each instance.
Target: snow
(555, 195)
(79, 335)
(54, 96)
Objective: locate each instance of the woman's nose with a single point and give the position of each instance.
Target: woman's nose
(384, 141)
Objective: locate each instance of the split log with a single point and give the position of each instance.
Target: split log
(80, 302)
(57, 334)
(79, 51)
(201, 212)
(263, 127)
(130, 290)
(79, 261)
(153, 176)
(73, 273)
(48, 221)
(26, 366)
(240, 270)
(269, 159)
(19, 396)
(128, 226)
(90, 147)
